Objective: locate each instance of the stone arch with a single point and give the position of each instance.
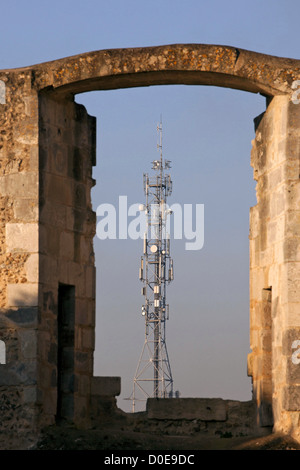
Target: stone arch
(57, 138)
(59, 81)
(190, 64)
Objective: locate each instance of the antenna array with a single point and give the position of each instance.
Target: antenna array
(153, 377)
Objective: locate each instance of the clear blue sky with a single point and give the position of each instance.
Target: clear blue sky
(207, 135)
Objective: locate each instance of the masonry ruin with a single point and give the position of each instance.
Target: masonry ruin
(47, 225)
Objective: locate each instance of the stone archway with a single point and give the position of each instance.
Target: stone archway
(47, 153)
(190, 64)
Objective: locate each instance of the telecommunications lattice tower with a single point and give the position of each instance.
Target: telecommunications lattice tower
(153, 377)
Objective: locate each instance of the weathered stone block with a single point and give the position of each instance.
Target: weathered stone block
(291, 249)
(83, 362)
(241, 412)
(22, 295)
(80, 195)
(81, 313)
(22, 237)
(86, 250)
(265, 365)
(20, 185)
(26, 131)
(58, 159)
(257, 283)
(58, 190)
(293, 371)
(291, 171)
(293, 314)
(277, 202)
(52, 237)
(83, 385)
(67, 383)
(289, 337)
(76, 276)
(30, 395)
(28, 340)
(26, 210)
(265, 412)
(90, 275)
(66, 247)
(87, 338)
(206, 409)
(48, 270)
(292, 225)
(50, 402)
(81, 415)
(265, 340)
(293, 193)
(52, 354)
(54, 214)
(106, 386)
(32, 268)
(276, 231)
(19, 373)
(291, 398)
(293, 290)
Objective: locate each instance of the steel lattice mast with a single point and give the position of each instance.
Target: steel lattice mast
(153, 377)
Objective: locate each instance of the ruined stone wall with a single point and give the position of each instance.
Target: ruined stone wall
(274, 266)
(175, 416)
(67, 227)
(47, 151)
(19, 199)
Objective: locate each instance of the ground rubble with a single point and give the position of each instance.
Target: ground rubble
(119, 438)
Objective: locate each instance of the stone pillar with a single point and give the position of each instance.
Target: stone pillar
(67, 227)
(275, 267)
(47, 225)
(19, 246)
